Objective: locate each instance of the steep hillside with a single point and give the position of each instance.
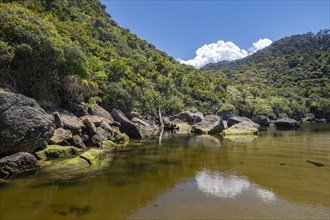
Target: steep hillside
(291, 76)
(59, 50)
(71, 50)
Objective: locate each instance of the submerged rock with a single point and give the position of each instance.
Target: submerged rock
(24, 125)
(77, 167)
(17, 164)
(211, 124)
(286, 123)
(57, 151)
(127, 126)
(242, 128)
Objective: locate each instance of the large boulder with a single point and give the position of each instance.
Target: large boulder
(17, 164)
(286, 123)
(127, 126)
(261, 120)
(237, 119)
(99, 111)
(24, 125)
(191, 117)
(211, 124)
(242, 128)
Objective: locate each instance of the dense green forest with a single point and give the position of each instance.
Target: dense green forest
(290, 76)
(60, 50)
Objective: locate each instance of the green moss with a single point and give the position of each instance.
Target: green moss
(57, 151)
(93, 156)
(240, 132)
(184, 127)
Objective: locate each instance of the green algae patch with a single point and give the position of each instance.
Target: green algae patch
(57, 151)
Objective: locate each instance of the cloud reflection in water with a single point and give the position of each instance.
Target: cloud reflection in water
(229, 186)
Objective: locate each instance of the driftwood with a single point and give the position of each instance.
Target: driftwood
(161, 125)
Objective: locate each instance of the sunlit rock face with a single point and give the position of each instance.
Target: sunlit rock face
(229, 186)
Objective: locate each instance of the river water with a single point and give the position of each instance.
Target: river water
(190, 177)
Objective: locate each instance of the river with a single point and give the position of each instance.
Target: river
(277, 175)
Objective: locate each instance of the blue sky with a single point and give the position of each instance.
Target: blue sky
(181, 27)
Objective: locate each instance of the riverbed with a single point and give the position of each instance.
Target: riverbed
(281, 174)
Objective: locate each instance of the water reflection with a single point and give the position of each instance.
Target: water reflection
(241, 138)
(229, 186)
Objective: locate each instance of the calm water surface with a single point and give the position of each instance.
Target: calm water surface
(190, 177)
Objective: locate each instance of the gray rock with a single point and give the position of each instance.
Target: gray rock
(140, 122)
(77, 142)
(71, 122)
(99, 111)
(225, 115)
(57, 120)
(211, 124)
(168, 125)
(286, 123)
(61, 136)
(236, 119)
(127, 126)
(101, 135)
(90, 126)
(134, 114)
(97, 120)
(105, 126)
(321, 120)
(24, 125)
(17, 164)
(261, 119)
(189, 116)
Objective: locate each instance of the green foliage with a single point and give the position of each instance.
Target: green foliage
(227, 107)
(62, 50)
(285, 76)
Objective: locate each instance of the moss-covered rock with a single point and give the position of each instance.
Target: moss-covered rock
(57, 151)
(93, 156)
(243, 128)
(183, 127)
(77, 167)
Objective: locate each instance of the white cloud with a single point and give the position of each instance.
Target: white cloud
(215, 52)
(260, 44)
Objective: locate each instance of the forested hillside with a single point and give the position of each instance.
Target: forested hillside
(59, 50)
(290, 76)
(71, 50)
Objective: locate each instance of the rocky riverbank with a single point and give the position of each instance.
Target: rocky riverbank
(34, 136)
